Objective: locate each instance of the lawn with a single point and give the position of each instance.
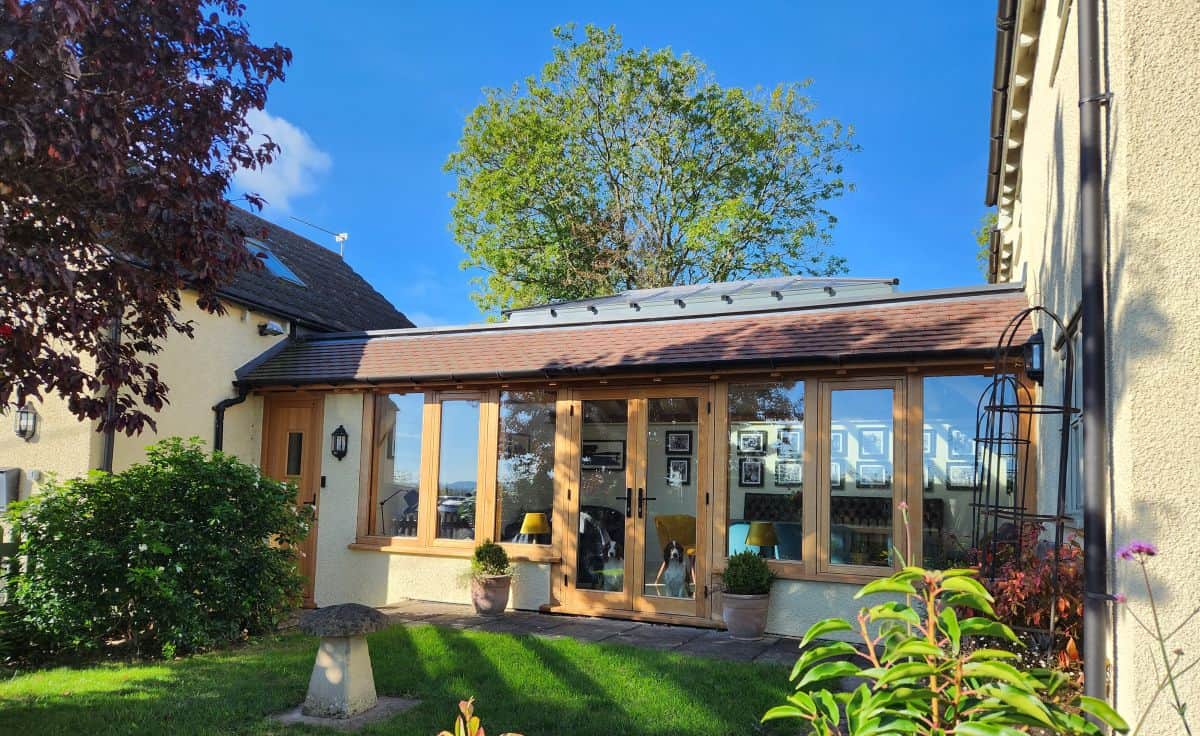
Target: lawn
(532, 685)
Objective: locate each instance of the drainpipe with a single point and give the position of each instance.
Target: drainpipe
(1095, 391)
(219, 419)
(108, 445)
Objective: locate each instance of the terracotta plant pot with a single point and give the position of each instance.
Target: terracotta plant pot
(490, 594)
(745, 615)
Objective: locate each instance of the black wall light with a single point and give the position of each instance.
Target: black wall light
(25, 423)
(341, 442)
(1034, 354)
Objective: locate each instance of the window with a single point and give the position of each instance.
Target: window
(295, 453)
(398, 464)
(271, 262)
(949, 456)
(766, 469)
(862, 475)
(525, 467)
(458, 469)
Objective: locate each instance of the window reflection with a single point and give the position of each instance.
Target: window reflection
(398, 464)
(862, 473)
(525, 466)
(458, 469)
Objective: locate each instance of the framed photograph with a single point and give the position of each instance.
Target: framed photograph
(789, 473)
(961, 444)
(927, 442)
(752, 441)
(872, 475)
(837, 442)
(960, 476)
(602, 455)
(679, 442)
(837, 476)
(750, 472)
(679, 471)
(516, 444)
(791, 442)
(872, 442)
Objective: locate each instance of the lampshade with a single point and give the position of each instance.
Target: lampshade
(761, 534)
(535, 524)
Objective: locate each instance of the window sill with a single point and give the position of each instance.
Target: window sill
(389, 546)
(796, 571)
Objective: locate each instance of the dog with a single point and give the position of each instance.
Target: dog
(614, 567)
(674, 570)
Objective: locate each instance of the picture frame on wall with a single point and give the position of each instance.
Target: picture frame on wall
(789, 473)
(927, 442)
(752, 441)
(837, 476)
(960, 476)
(872, 475)
(837, 442)
(791, 442)
(679, 472)
(678, 442)
(516, 444)
(602, 455)
(750, 472)
(872, 442)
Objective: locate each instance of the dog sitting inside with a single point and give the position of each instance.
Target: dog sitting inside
(614, 567)
(675, 573)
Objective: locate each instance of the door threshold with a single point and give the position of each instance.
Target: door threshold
(672, 619)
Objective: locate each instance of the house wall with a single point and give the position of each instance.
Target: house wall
(1151, 154)
(63, 446)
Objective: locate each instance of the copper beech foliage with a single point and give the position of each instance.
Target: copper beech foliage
(121, 124)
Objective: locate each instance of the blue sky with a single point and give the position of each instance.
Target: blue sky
(377, 94)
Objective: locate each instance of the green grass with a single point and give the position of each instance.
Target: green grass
(521, 683)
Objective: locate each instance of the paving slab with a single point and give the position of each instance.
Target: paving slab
(658, 636)
(591, 629)
(721, 645)
(783, 651)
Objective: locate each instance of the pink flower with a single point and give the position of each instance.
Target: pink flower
(1137, 549)
(1119, 598)
(904, 505)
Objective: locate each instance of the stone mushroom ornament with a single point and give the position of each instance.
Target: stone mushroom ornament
(342, 683)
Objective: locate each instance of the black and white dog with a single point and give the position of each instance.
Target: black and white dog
(674, 570)
(614, 567)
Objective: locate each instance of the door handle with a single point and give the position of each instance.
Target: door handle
(642, 499)
(628, 499)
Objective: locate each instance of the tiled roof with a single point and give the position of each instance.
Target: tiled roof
(333, 298)
(964, 325)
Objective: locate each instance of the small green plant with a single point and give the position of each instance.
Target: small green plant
(920, 678)
(467, 723)
(747, 574)
(490, 560)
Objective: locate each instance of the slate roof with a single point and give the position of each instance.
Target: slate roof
(962, 323)
(333, 298)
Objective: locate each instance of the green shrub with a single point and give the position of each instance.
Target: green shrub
(490, 559)
(747, 574)
(180, 553)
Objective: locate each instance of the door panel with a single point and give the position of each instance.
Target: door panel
(291, 452)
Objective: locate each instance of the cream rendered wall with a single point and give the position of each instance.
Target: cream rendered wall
(63, 445)
(1152, 156)
(200, 372)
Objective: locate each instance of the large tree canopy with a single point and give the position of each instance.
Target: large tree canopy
(122, 123)
(618, 169)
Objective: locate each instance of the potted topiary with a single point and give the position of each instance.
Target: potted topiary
(747, 594)
(491, 578)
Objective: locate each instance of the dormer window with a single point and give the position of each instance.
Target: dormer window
(272, 262)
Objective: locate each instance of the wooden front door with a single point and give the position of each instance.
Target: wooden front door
(637, 532)
(292, 452)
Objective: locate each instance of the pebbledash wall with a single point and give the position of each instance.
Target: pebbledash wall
(1151, 155)
(373, 578)
(199, 372)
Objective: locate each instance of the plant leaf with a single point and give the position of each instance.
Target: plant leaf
(1021, 701)
(824, 627)
(894, 610)
(999, 671)
(829, 671)
(913, 648)
(1104, 712)
(965, 584)
(783, 711)
(809, 657)
(977, 626)
(886, 585)
(949, 625)
(906, 671)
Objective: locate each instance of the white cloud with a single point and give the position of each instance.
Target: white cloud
(425, 319)
(296, 167)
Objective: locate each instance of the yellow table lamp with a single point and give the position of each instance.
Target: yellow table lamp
(762, 535)
(535, 524)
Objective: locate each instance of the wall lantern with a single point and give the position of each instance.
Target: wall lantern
(25, 423)
(1034, 354)
(341, 442)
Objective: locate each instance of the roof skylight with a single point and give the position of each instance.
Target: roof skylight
(272, 263)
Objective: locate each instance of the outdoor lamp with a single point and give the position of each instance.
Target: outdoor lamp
(535, 525)
(25, 423)
(1034, 354)
(340, 442)
(762, 535)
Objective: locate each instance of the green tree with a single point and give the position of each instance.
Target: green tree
(983, 239)
(620, 169)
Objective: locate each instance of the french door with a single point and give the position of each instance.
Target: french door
(639, 484)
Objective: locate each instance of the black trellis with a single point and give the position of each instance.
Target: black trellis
(1004, 469)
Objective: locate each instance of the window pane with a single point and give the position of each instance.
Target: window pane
(398, 464)
(948, 440)
(861, 477)
(458, 469)
(603, 496)
(766, 469)
(525, 466)
(295, 452)
(670, 507)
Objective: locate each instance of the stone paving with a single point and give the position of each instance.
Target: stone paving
(683, 639)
